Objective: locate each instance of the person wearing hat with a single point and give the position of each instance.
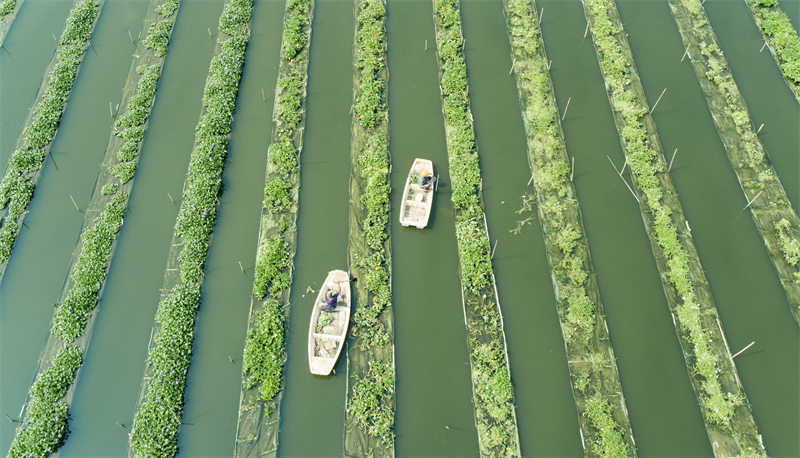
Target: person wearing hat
(330, 301)
(425, 181)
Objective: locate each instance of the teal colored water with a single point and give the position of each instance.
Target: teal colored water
(314, 406)
(748, 294)
(660, 400)
(109, 383)
(768, 98)
(546, 415)
(434, 394)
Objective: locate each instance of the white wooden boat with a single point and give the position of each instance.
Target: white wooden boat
(415, 208)
(328, 328)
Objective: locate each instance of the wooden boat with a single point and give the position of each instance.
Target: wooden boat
(415, 208)
(328, 328)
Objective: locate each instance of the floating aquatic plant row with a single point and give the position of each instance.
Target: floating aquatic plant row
(8, 12)
(784, 44)
(769, 205)
(603, 416)
(25, 163)
(158, 416)
(90, 267)
(723, 403)
(265, 344)
(492, 391)
(369, 417)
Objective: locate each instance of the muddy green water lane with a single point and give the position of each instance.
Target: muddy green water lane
(748, 294)
(41, 257)
(109, 382)
(313, 407)
(214, 383)
(546, 415)
(434, 395)
(27, 50)
(661, 404)
(792, 9)
(769, 100)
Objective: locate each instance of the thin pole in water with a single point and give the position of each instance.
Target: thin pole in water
(753, 200)
(763, 46)
(495, 247)
(572, 172)
(111, 109)
(171, 199)
(686, 53)
(743, 349)
(586, 30)
(426, 45)
(625, 164)
(566, 108)
(131, 36)
(549, 63)
(623, 180)
(759, 128)
(73, 203)
(529, 181)
(659, 99)
(513, 63)
(673, 158)
(209, 31)
(53, 159)
(241, 266)
(541, 13)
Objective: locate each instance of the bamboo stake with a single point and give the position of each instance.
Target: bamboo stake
(549, 63)
(673, 158)
(435, 186)
(586, 30)
(426, 45)
(209, 31)
(131, 36)
(743, 349)
(759, 128)
(263, 97)
(623, 180)
(111, 109)
(26, 226)
(529, 181)
(13, 420)
(495, 247)
(572, 172)
(541, 13)
(171, 199)
(569, 99)
(754, 199)
(659, 99)
(513, 63)
(625, 164)
(686, 53)
(54, 37)
(763, 46)
(73, 203)
(121, 425)
(231, 359)
(241, 266)
(53, 159)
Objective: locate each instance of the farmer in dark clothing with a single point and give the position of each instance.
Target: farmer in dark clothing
(425, 181)
(330, 301)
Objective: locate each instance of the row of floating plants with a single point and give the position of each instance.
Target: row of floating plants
(492, 391)
(8, 12)
(90, 267)
(782, 38)
(769, 205)
(603, 417)
(723, 403)
(369, 417)
(158, 416)
(265, 345)
(33, 146)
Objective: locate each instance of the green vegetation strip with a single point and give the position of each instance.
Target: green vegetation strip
(369, 417)
(265, 345)
(723, 403)
(8, 12)
(25, 163)
(90, 267)
(769, 205)
(604, 422)
(782, 38)
(158, 417)
(492, 391)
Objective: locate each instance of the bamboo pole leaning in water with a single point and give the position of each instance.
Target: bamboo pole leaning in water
(569, 99)
(673, 158)
(659, 99)
(623, 180)
(743, 349)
